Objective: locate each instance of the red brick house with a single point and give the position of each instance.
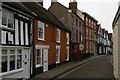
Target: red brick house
(75, 24)
(51, 40)
(91, 34)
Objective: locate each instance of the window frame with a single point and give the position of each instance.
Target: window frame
(41, 25)
(58, 35)
(58, 47)
(8, 60)
(67, 54)
(41, 55)
(7, 17)
(67, 37)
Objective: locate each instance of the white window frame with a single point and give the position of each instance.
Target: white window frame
(67, 53)
(58, 32)
(58, 47)
(39, 65)
(41, 25)
(6, 27)
(67, 37)
(8, 61)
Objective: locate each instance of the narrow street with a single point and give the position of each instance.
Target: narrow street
(99, 68)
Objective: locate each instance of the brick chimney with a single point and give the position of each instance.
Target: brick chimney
(53, 1)
(73, 6)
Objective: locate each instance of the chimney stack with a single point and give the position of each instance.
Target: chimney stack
(53, 1)
(73, 6)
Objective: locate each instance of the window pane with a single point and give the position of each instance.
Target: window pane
(38, 60)
(39, 57)
(4, 64)
(10, 22)
(12, 51)
(12, 62)
(19, 52)
(19, 61)
(57, 55)
(4, 52)
(4, 21)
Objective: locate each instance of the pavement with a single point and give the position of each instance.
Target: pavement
(57, 71)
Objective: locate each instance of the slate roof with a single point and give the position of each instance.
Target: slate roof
(44, 14)
(89, 16)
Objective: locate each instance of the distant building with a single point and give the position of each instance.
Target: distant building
(116, 44)
(91, 34)
(90, 28)
(99, 40)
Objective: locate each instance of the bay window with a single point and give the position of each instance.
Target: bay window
(11, 60)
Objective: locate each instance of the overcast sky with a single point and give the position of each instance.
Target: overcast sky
(102, 10)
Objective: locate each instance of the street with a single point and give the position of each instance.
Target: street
(99, 68)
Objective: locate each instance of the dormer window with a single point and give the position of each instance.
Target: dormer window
(7, 18)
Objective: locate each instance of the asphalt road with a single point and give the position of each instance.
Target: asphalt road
(99, 68)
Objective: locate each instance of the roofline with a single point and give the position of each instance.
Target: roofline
(116, 17)
(15, 9)
(89, 16)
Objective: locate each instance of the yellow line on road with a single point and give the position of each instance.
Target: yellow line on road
(67, 73)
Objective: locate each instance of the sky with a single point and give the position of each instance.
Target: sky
(102, 10)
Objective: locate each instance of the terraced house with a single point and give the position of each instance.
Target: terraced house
(31, 41)
(91, 34)
(75, 24)
(16, 39)
(51, 40)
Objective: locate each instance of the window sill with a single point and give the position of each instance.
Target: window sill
(57, 41)
(11, 72)
(40, 39)
(38, 66)
(57, 62)
(6, 28)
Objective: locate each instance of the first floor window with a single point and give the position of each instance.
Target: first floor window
(7, 18)
(11, 60)
(58, 54)
(39, 57)
(40, 30)
(58, 35)
(67, 37)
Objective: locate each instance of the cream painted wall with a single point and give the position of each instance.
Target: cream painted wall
(119, 48)
(115, 50)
